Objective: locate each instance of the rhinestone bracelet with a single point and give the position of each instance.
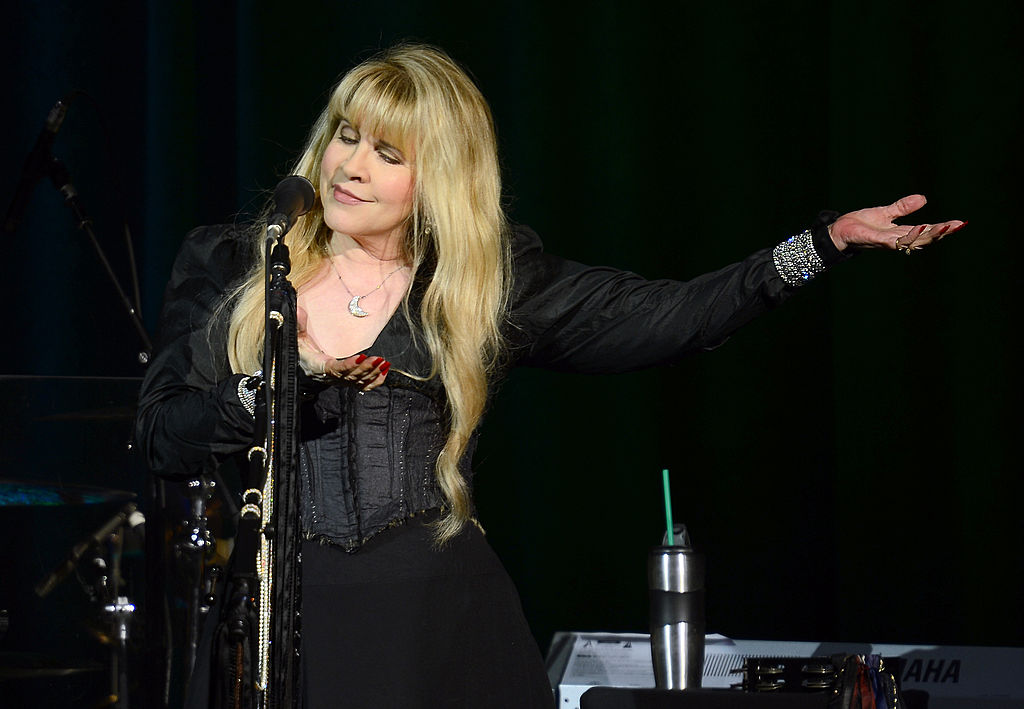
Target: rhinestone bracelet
(796, 260)
(247, 388)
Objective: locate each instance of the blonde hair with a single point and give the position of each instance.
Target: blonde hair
(416, 98)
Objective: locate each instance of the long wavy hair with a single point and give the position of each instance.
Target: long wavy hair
(418, 99)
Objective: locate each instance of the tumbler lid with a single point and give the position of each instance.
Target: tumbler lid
(680, 537)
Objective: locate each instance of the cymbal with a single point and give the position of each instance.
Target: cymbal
(16, 665)
(106, 413)
(32, 493)
(56, 399)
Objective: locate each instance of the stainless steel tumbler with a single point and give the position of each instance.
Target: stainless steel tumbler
(675, 576)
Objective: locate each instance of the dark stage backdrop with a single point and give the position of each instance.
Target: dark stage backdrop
(847, 463)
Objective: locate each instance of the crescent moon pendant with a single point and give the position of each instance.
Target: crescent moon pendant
(353, 307)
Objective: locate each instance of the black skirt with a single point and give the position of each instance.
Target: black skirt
(401, 624)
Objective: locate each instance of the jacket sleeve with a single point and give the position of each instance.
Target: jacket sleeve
(571, 317)
(189, 413)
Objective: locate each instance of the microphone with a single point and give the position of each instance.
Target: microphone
(293, 197)
(37, 166)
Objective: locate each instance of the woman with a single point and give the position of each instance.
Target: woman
(415, 297)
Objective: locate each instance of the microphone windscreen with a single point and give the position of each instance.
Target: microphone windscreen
(293, 197)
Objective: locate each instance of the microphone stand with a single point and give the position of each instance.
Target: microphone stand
(116, 606)
(61, 179)
(262, 623)
(279, 559)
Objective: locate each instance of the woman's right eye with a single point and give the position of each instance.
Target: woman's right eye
(347, 134)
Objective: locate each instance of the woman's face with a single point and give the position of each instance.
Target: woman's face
(366, 185)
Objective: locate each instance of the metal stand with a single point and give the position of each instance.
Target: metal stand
(193, 551)
(41, 163)
(267, 544)
(119, 613)
(105, 589)
(62, 181)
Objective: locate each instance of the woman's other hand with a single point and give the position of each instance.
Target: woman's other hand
(874, 228)
(361, 371)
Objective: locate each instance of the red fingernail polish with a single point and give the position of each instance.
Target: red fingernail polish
(360, 358)
(385, 367)
(376, 362)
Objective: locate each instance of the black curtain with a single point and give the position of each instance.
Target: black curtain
(845, 462)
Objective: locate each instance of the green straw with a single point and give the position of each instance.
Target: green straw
(668, 507)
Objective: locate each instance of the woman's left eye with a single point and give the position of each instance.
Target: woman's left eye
(389, 158)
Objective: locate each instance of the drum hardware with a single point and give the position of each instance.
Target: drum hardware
(27, 665)
(213, 578)
(192, 551)
(24, 493)
(126, 515)
(105, 590)
(119, 614)
(198, 540)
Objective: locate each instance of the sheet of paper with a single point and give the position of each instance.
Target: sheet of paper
(613, 660)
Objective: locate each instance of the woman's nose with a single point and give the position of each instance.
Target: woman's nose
(355, 166)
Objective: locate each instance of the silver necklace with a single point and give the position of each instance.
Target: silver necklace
(353, 305)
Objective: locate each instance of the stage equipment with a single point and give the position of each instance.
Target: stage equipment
(293, 197)
(30, 493)
(849, 681)
(194, 547)
(70, 433)
(26, 665)
(787, 674)
(257, 642)
(35, 438)
(89, 544)
(106, 590)
(943, 677)
(612, 698)
(41, 163)
(37, 165)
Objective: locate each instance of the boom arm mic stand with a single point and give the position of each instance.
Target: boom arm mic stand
(61, 179)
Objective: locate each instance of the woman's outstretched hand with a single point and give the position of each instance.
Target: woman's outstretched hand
(874, 228)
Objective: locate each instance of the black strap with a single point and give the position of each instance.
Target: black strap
(668, 607)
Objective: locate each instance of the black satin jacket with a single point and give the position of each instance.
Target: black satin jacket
(368, 460)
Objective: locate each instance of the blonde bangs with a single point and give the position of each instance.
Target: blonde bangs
(381, 102)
